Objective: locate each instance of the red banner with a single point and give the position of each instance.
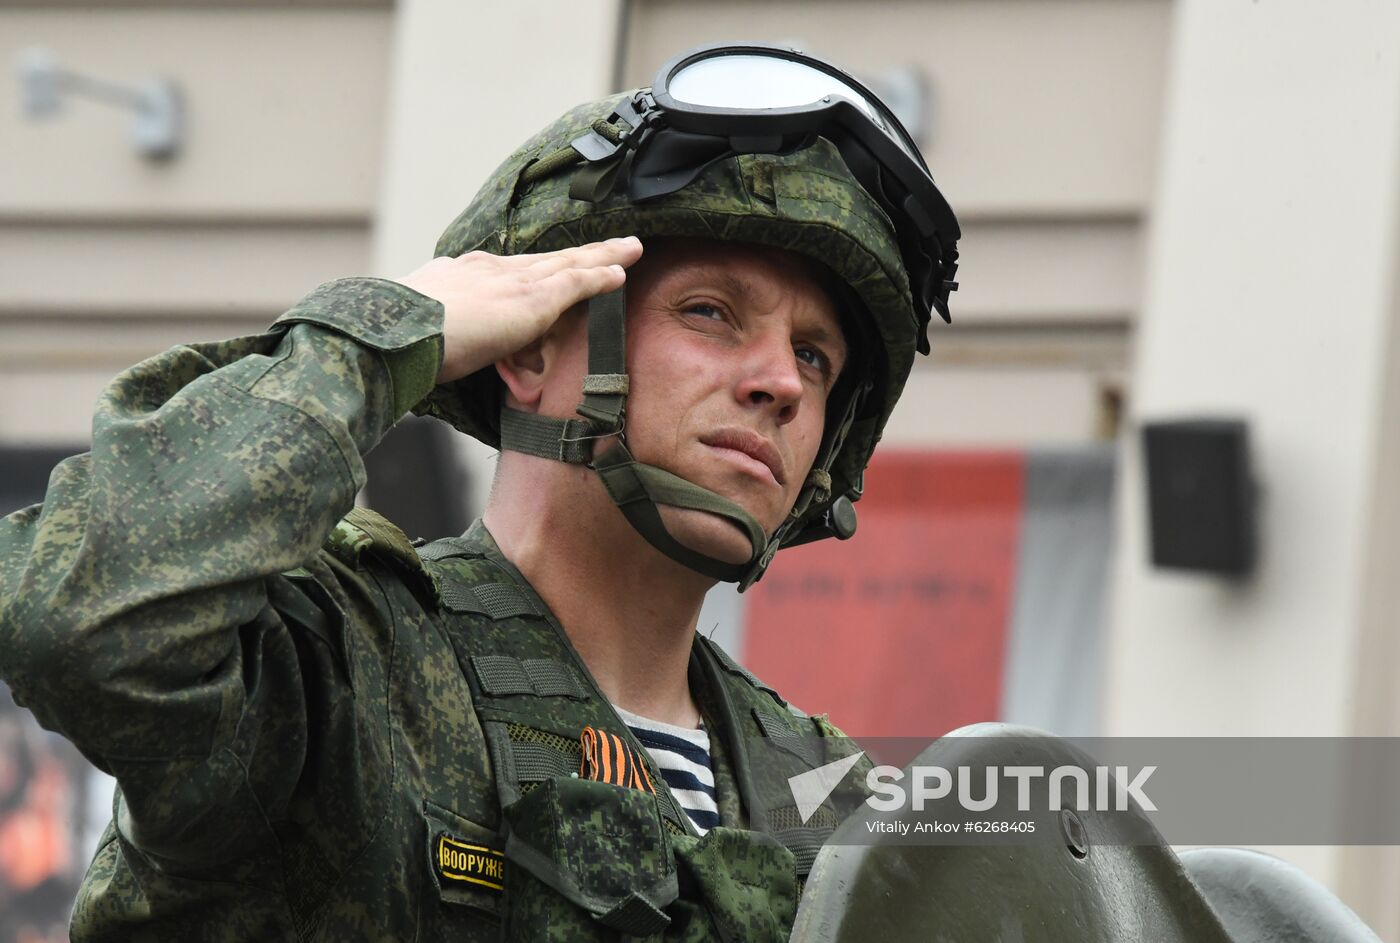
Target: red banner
(900, 631)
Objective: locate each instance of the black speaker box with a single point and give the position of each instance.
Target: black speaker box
(1201, 495)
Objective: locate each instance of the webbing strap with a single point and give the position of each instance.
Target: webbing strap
(563, 440)
(634, 915)
(605, 387)
(604, 393)
(383, 533)
(501, 675)
(594, 182)
(440, 550)
(459, 598)
(809, 748)
(608, 383)
(504, 601)
(666, 488)
(505, 675)
(636, 489)
(535, 762)
(772, 726)
(816, 488)
(551, 679)
(497, 600)
(804, 843)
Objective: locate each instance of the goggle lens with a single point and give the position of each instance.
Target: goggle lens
(755, 83)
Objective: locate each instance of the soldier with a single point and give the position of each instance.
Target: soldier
(516, 733)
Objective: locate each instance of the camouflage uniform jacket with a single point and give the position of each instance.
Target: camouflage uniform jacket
(354, 741)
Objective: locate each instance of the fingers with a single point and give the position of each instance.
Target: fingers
(623, 251)
(576, 274)
(570, 286)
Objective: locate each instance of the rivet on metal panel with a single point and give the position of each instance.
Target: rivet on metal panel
(1076, 837)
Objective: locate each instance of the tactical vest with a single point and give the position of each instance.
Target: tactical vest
(580, 859)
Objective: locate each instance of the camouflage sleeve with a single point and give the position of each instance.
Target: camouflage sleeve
(134, 602)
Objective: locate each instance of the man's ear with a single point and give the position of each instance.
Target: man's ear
(536, 368)
(523, 374)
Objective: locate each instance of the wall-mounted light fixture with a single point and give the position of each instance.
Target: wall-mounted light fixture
(156, 121)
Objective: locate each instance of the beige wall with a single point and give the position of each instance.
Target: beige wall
(279, 185)
(106, 257)
(433, 167)
(470, 82)
(1274, 270)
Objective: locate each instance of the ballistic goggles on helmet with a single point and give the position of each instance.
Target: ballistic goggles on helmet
(717, 101)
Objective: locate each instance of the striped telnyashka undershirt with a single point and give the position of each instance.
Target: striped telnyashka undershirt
(683, 757)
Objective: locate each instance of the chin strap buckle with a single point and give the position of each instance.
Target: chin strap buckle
(602, 422)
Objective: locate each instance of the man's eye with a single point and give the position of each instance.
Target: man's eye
(705, 311)
(810, 355)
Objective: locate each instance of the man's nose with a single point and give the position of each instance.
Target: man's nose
(769, 377)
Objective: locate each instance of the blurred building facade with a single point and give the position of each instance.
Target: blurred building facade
(1044, 117)
(1155, 224)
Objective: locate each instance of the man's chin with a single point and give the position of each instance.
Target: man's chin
(707, 533)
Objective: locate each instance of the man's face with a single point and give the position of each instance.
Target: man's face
(732, 351)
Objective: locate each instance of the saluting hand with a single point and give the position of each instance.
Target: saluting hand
(496, 304)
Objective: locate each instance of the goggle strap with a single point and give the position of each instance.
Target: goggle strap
(547, 166)
(601, 143)
(594, 181)
(608, 131)
(637, 489)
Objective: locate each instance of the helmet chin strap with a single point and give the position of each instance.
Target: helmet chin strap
(637, 489)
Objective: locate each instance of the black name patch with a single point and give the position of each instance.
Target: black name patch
(472, 864)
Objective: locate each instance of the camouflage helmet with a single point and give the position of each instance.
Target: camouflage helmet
(805, 201)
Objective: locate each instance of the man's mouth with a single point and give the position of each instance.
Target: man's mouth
(752, 449)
